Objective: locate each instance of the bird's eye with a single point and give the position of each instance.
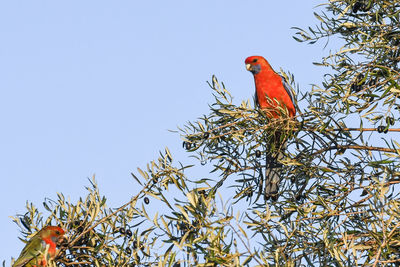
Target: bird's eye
(255, 60)
(57, 232)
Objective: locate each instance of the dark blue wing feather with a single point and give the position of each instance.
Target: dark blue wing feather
(288, 89)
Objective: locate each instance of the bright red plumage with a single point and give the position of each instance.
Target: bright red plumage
(271, 91)
(269, 83)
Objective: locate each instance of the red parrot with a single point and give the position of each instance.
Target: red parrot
(33, 253)
(270, 84)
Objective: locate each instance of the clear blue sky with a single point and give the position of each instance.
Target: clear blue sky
(92, 87)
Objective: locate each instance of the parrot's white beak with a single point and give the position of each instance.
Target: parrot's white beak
(248, 67)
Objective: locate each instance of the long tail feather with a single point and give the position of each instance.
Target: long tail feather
(273, 169)
(272, 176)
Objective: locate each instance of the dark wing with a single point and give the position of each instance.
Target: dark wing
(256, 98)
(288, 89)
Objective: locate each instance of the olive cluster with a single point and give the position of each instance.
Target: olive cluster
(361, 6)
(385, 129)
(189, 145)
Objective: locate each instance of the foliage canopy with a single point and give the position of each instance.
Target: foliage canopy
(338, 201)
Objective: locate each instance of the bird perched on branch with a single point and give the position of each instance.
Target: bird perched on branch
(273, 94)
(43, 243)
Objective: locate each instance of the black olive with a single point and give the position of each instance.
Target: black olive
(355, 87)
(146, 200)
(206, 135)
(381, 128)
(122, 230)
(188, 145)
(128, 233)
(390, 120)
(386, 130)
(258, 153)
(76, 223)
(299, 196)
(357, 6)
(364, 193)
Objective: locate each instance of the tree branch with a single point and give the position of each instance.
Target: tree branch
(356, 147)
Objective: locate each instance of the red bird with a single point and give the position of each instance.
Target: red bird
(271, 84)
(272, 91)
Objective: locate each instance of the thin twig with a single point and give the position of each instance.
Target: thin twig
(135, 198)
(356, 147)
